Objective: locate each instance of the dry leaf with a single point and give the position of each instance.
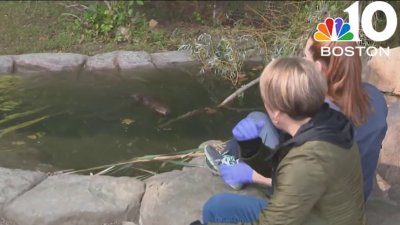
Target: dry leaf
(18, 143)
(153, 23)
(242, 77)
(259, 67)
(82, 39)
(127, 121)
(44, 38)
(32, 137)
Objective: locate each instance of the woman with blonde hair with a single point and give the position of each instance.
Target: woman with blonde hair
(317, 172)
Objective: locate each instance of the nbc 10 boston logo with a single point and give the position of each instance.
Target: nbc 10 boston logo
(336, 29)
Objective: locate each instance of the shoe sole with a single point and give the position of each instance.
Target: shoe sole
(214, 169)
(211, 166)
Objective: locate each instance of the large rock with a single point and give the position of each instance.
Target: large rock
(394, 193)
(392, 220)
(15, 182)
(389, 161)
(177, 197)
(383, 71)
(49, 63)
(172, 59)
(129, 62)
(102, 63)
(75, 200)
(381, 212)
(6, 65)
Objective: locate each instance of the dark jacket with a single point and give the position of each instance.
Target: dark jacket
(370, 135)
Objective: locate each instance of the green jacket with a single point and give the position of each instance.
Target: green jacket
(316, 186)
(317, 176)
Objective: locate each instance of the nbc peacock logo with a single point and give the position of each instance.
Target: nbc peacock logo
(333, 30)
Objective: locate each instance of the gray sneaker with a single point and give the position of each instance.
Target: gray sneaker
(214, 158)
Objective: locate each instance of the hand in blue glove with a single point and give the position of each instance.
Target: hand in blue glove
(247, 129)
(239, 173)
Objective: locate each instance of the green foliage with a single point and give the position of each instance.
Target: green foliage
(21, 125)
(9, 93)
(222, 55)
(103, 21)
(285, 27)
(119, 21)
(111, 20)
(198, 17)
(10, 105)
(295, 23)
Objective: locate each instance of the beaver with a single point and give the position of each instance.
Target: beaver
(153, 103)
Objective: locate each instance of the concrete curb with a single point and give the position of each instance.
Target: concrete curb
(116, 63)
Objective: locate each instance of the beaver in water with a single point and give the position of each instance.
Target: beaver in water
(153, 103)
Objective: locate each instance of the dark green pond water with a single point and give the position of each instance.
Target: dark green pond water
(86, 128)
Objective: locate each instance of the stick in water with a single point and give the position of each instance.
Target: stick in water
(212, 109)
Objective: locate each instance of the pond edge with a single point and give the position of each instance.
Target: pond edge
(119, 63)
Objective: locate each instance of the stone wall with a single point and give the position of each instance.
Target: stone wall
(116, 63)
(176, 197)
(172, 198)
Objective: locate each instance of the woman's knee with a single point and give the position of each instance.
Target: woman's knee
(214, 203)
(232, 208)
(258, 116)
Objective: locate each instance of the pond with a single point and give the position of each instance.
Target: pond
(95, 122)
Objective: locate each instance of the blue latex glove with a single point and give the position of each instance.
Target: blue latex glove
(239, 173)
(247, 129)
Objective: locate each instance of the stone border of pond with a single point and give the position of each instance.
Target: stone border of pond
(176, 197)
(171, 198)
(116, 62)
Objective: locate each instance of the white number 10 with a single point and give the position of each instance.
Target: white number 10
(366, 21)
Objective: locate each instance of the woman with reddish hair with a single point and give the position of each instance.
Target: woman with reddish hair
(361, 102)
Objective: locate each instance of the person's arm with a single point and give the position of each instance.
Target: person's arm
(258, 156)
(260, 179)
(241, 173)
(301, 180)
(258, 161)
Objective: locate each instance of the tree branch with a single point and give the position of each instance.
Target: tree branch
(211, 110)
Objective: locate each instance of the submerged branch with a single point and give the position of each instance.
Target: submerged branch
(242, 109)
(212, 109)
(183, 116)
(238, 92)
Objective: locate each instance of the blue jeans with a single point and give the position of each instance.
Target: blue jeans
(233, 208)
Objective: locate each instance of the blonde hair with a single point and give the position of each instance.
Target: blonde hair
(294, 86)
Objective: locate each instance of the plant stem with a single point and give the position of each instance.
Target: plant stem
(19, 115)
(22, 125)
(141, 160)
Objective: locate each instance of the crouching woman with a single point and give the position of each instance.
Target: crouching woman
(317, 175)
